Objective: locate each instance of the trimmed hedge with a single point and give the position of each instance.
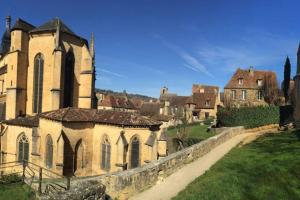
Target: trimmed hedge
(249, 117)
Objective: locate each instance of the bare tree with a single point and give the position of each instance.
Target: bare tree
(271, 91)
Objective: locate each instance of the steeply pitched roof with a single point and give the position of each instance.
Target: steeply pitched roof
(52, 26)
(117, 102)
(178, 101)
(249, 78)
(22, 25)
(200, 100)
(5, 42)
(3, 69)
(204, 88)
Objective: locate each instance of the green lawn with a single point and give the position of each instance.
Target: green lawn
(15, 191)
(268, 168)
(194, 131)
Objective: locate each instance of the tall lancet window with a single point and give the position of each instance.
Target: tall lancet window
(135, 152)
(23, 148)
(38, 83)
(68, 90)
(105, 153)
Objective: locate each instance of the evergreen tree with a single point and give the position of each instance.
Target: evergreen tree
(287, 78)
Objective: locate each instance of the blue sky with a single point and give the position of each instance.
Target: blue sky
(142, 45)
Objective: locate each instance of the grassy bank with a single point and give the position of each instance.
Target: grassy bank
(15, 191)
(194, 131)
(265, 169)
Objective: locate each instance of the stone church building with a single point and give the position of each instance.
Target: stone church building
(44, 68)
(47, 83)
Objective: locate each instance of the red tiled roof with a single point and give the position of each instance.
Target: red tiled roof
(117, 102)
(83, 115)
(249, 79)
(206, 88)
(201, 98)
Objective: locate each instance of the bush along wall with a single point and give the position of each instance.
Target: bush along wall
(249, 117)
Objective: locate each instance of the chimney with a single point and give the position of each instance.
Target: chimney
(8, 20)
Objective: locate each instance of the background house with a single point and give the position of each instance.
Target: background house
(250, 88)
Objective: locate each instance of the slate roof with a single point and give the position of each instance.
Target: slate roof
(3, 70)
(22, 25)
(249, 79)
(117, 102)
(52, 26)
(83, 115)
(5, 42)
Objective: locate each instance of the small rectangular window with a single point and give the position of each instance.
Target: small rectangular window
(233, 94)
(244, 94)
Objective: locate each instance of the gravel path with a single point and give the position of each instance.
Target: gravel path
(176, 182)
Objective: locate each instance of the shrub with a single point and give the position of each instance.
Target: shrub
(249, 117)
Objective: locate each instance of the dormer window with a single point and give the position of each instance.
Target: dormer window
(207, 103)
(259, 82)
(241, 81)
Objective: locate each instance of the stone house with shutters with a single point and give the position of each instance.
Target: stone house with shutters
(246, 88)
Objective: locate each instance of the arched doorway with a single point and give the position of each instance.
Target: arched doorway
(68, 74)
(68, 157)
(135, 152)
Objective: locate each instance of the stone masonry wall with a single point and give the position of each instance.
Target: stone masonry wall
(124, 184)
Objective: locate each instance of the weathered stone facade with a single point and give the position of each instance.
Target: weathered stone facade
(84, 142)
(46, 68)
(247, 87)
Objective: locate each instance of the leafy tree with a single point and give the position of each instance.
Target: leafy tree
(287, 78)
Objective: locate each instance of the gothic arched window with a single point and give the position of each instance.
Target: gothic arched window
(105, 153)
(135, 152)
(38, 83)
(49, 152)
(68, 89)
(79, 162)
(23, 148)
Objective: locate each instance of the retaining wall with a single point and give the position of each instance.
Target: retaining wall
(124, 184)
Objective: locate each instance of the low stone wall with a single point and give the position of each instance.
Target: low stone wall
(124, 184)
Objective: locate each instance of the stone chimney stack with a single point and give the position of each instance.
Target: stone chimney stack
(8, 21)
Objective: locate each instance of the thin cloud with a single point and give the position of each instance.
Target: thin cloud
(192, 62)
(112, 73)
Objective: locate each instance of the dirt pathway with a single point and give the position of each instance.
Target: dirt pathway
(176, 182)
